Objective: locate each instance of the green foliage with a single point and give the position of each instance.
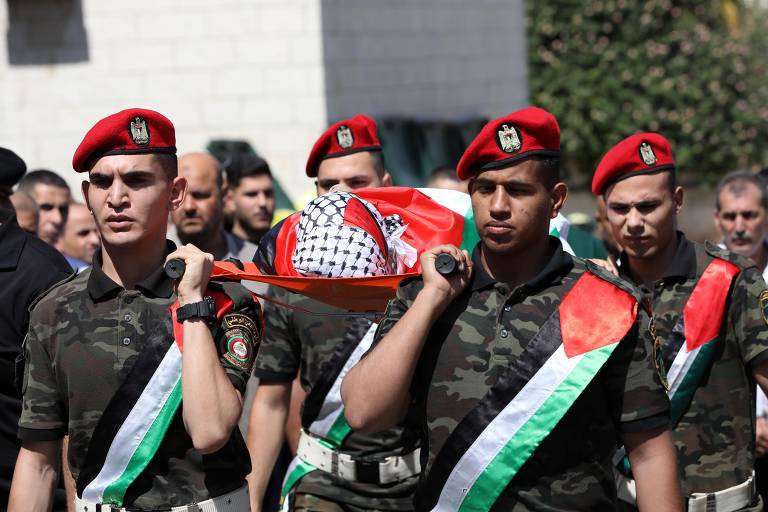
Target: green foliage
(694, 71)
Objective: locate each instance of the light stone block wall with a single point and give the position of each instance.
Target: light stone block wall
(244, 69)
(273, 72)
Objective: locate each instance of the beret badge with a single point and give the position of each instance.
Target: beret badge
(508, 138)
(647, 154)
(344, 137)
(139, 131)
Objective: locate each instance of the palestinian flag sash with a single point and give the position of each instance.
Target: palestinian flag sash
(690, 348)
(323, 414)
(138, 416)
(494, 440)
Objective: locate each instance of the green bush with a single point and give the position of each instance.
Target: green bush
(694, 71)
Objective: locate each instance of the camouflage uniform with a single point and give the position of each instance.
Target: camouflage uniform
(84, 337)
(299, 342)
(488, 326)
(715, 438)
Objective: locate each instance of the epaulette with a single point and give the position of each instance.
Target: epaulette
(50, 289)
(615, 280)
(731, 257)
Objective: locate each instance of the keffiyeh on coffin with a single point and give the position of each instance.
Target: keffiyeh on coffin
(341, 235)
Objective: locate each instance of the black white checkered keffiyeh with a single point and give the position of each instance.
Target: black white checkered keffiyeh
(326, 246)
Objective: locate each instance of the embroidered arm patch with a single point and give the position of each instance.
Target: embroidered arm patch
(764, 304)
(241, 340)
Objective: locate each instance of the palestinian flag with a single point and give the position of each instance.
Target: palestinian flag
(432, 216)
(687, 355)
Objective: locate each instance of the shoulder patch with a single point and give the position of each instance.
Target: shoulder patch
(241, 340)
(764, 305)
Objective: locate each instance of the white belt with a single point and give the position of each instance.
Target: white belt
(727, 500)
(389, 470)
(235, 501)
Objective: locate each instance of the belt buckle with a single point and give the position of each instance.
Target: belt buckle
(367, 471)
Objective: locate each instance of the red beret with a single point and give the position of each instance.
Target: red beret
(343, 138)
(506, 140)
(131, 131)
(642, 153)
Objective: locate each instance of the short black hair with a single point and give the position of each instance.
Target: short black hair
(550, 168)
(735, 178)
(169, 163)
(245, 166)
(41, 177)
(378, 163)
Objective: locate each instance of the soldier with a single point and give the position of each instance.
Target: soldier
(709, 315)
(113, 353)
(318, 345)
(52, 195)
(526, 365)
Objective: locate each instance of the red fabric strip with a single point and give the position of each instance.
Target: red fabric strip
(704, 310)
(595, 313)
(350, 293)
(223, 306)
(358, 216)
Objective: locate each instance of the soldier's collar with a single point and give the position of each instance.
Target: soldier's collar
(683, 264)
(156, 284)
(559, 264)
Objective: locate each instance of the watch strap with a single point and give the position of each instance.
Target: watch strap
(205, 309)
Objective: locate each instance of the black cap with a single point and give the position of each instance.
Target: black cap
(12, 168)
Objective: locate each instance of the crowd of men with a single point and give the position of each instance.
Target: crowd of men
(528, 379)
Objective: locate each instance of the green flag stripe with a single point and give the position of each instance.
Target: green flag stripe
(294, 475)
(503, 467)
(340, 430)
(683, 395)
(115, 491)
(469, 235)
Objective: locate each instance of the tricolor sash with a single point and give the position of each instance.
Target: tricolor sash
(689, 349)
(138, 416)
(323, 414)
(492, 442)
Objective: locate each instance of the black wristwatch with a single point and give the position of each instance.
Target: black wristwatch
(205, 309)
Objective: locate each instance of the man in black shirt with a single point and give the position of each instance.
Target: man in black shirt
(22, 257)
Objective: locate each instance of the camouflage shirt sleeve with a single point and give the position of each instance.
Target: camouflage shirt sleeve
(396, 308)
(747, 313)
(43, 413)
(279, 356)
(638, 399)
(238, 338)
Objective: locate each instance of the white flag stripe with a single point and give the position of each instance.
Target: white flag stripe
(503, 428)
(680, 366)
(454, 200)
(140, 419)
(332, 405)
